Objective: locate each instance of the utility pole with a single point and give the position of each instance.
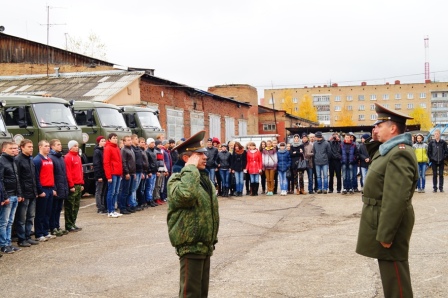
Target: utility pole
(48, 36)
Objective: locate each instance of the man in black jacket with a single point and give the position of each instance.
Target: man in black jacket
(212, 154)
(138, 173)
(61, 189)
(437, 152)
(99, 175)
(26, 210)
(335, 163)
(151, 153)
(128, 163)
(10, 179)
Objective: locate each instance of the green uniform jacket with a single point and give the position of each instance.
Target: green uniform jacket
(193, 218)
(389, 216)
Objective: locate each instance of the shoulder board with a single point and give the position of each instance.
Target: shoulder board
(402, 146)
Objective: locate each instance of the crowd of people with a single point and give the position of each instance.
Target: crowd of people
(35, 189)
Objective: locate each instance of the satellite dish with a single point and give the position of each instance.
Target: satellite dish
(2, 28)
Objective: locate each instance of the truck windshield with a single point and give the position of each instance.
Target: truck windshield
(111, 117)
(148, 119)
(53, 114)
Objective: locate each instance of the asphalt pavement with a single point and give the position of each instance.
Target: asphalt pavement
(279, 246)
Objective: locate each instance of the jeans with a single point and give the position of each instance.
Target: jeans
(24, 219)
(347, 176)
(113, 189)
(44, 208)
(225, 177)
(335, 168)
(421, 175)
(309, 172)
(149, 188)
(239, 181)
(7, 213)
(56, 213)
(211, 174)
(363, 175)
(283, 180)
(125, 192)
(434, 167)
(134, 186)
(322, 177)
(100, 194)
(355, 176)
(254, 178)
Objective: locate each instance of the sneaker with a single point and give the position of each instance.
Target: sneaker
(72, 229)
(14, 248)
(344, 192)
(124, 211)
(330, 191)
(77, 228)
(56, 233)
(441, 190)
(138, 208)
(24, 243)
(319, 191)
(113, 215)
(352, 191)
(41, 239)
(324, 192)
(64, 232)
(356, 190)
(131, 209)
(435, 190)
(32, 242)
(7, 250)
(49, 236)
(118, 214)
(423, 190)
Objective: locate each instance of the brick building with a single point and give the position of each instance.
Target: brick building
(183, 109)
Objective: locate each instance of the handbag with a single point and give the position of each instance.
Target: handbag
(288, 173)
(302, 164)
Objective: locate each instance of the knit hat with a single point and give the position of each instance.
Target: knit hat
(99, 139)
(149, 141)
(365, 136)
(71, 144)
(304, 135)
(158, 142)
(209, 140)
(171, 141)
(319, 134)
(164, 142)
(216, 140)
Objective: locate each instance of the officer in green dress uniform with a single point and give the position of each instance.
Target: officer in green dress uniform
(193, 218)
(387, 215)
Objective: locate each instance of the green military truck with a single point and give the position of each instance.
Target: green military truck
(39, 118)
(97, 119)
(143, 122)
(5, 135)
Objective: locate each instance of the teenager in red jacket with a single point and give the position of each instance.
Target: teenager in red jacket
(113, 169)
(75, 180)
(253, 167)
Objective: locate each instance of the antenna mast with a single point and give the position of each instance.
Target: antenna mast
(427, 78)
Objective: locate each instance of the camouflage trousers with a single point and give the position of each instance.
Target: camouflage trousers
(71, 207)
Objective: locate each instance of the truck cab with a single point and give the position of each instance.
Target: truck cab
(98, 119)
(39, 118)
(143, 122)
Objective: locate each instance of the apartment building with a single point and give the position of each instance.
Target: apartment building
(335, 103)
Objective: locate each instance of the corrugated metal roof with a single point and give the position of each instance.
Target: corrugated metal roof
(94, 86)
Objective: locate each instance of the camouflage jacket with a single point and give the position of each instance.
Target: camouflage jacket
(193, 218)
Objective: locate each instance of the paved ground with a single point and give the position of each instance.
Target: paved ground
(293, 246)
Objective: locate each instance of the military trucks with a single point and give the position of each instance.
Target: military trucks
(143, 122)
(98, 119)
(5, 135)
(39, 118)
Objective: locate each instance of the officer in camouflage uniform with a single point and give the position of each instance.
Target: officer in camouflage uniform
(387, 216)
(193, 218)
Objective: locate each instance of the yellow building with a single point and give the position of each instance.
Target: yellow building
(355, 105)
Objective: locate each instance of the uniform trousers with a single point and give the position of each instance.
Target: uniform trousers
(396, 279)
(194, 275)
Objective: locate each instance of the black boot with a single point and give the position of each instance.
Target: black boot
(256, 185)
(252, 187)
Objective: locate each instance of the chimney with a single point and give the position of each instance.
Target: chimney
(363, 84)
(397, 82)
(56, 72)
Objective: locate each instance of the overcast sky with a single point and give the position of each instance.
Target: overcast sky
(266, 44)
